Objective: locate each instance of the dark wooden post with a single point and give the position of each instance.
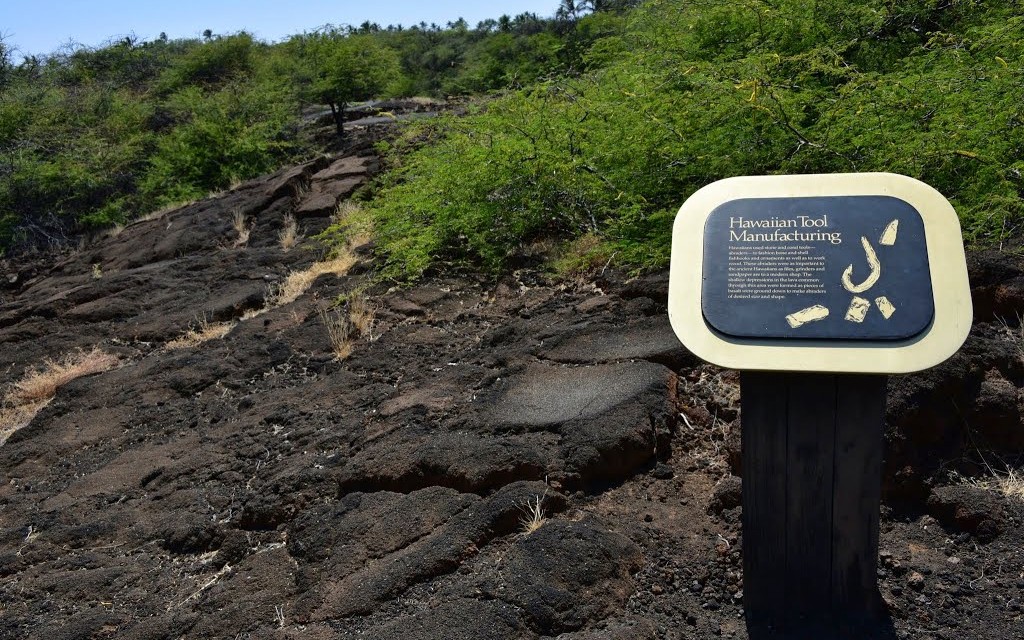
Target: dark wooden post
(812, 457)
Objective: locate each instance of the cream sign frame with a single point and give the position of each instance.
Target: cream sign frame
(947, 265)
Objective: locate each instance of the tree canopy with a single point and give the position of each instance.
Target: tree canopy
(346, 69)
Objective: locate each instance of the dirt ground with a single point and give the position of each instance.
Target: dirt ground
(512, 459)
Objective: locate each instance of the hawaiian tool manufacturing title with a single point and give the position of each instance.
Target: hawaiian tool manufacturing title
(805, 229)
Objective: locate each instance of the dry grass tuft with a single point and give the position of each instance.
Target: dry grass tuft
(425, 101)
(346, 325)
(38, 386)
(164, 210)
(362, 314)
(289, 235)
(1009, 484)
(15, 417)
(42, 384)
(339, 331)
(707, 394)
(346, 210)
(204, 331)
(353, 223)
(534, 518)
(252, 313)
(714, 388)
(243, 230)
(298, 282)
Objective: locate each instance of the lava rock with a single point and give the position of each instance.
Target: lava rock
(727, 495)
(971, 509)
(566, 573)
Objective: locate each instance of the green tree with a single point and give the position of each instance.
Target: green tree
(348, 69)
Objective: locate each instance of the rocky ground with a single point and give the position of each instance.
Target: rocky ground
(510, 459)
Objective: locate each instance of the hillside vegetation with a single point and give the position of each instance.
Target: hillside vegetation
(692, 92)
(587, 132)
(91, 137)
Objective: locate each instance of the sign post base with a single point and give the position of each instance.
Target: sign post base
(812, 457)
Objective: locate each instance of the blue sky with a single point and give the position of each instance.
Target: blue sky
(41, 26)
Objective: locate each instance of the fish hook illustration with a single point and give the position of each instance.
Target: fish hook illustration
(873, 263)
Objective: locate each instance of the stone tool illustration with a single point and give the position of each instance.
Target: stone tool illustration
(859, 307)
(810, 314)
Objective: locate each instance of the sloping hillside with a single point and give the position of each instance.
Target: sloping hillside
(286, 448)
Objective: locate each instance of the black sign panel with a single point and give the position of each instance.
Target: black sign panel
(836, 268)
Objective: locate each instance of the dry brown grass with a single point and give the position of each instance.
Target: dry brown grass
(15, 417)
(705, 393)
(345, 325)
(425, 101)
(355, 223)
(362, 314)
(298, 282)
(1009, 483)
(252, 313)
(27, 396)
(164, 210)
(347, 210)
(339, 331)
(242, 229)
(713, 387)
(534, 518)
(289, 235)
(204, 331)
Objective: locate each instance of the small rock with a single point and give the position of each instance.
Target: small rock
(663, 472)
(915, 581)
(657, 590)
(728, 494)
(953, 560)
(648, 518)
(593, 304)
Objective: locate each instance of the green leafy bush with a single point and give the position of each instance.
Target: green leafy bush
(233, 134)
(690, 93)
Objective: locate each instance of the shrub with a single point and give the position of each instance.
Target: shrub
(690, 93)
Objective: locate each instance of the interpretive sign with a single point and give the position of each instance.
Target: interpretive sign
(812, 286)
(841, 267)
(844, 273)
